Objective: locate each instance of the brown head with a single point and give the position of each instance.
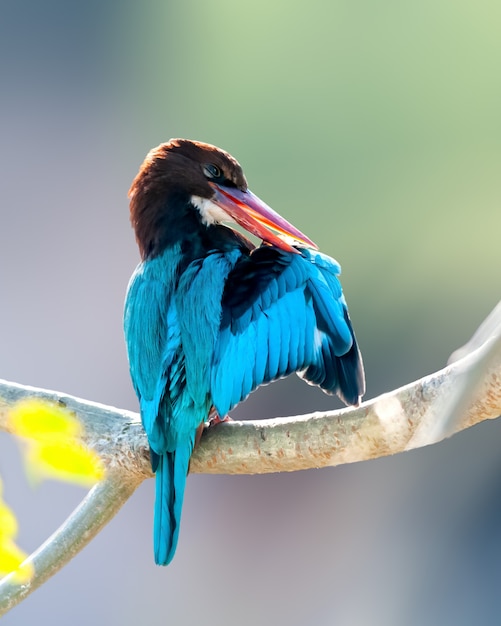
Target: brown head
(185, 185)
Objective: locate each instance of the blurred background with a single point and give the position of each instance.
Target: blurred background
(373, 127)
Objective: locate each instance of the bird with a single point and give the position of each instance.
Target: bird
(210, 315)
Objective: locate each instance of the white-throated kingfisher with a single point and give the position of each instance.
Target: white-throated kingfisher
(209, 316)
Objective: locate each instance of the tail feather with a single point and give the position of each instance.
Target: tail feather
(351, 371)
(171, 473)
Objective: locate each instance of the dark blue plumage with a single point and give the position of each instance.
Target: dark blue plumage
(208, 317)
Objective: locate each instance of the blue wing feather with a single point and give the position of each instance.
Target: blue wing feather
(170, 328)
(261, 333)
(296, 337)
(284, 312)
(284, 320)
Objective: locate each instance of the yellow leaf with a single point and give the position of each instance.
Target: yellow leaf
(8, 522)
(11, 559)
(53, 446)
(41, 420)
(69, 461)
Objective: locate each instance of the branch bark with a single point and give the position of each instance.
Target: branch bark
(99, 506)
(463, 394)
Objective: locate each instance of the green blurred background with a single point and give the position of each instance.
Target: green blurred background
(373, 127)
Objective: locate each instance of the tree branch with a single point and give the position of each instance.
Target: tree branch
(99, 506)
(464, 393)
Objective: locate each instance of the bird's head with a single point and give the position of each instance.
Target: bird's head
(191, 176)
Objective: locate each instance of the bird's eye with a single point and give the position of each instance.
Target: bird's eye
(211, 170)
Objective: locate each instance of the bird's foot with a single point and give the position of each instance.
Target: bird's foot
(214, 419)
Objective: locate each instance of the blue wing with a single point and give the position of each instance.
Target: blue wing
(170, 329)
(170, 325)
(284, 313)
(153, 342)
(157, 366)
(150, 335)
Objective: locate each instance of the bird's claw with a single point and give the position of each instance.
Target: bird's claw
(214, 419)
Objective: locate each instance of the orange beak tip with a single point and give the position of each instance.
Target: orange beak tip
(259, 219)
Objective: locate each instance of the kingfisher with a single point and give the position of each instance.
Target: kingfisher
(210, 316)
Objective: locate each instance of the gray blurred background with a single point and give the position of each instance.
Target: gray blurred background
(373, 127)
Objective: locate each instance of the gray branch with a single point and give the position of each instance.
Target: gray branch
(466, 392)
(99, 506)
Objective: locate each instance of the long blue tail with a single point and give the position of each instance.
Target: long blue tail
(171, 473)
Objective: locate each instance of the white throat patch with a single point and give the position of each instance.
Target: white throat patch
(210, 212)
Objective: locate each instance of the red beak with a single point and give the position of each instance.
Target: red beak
(258, 218)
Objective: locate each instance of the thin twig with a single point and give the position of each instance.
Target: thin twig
(99, 506)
